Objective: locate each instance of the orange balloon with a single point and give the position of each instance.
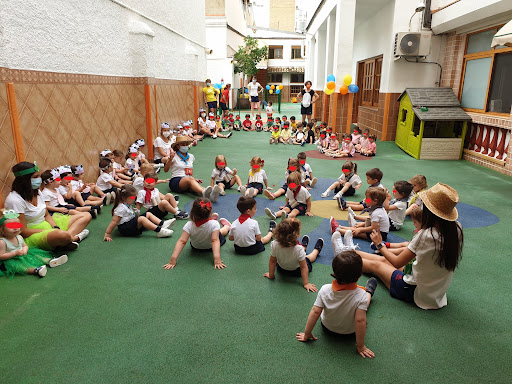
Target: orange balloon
(331, 85)
(343, 89)
(272, 87)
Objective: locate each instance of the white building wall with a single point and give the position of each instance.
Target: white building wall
(159, 38)
(287, 44)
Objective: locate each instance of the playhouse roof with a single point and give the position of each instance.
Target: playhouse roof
(442, 104)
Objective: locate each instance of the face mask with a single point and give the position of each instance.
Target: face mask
(36, 183)
(166, 133)
(254, 81)
(184, 149)
(203, 114)
(208, 84)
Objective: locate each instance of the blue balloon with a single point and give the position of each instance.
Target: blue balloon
(278, 91)
(246, 90)
(216, 86)
(268, 87)
(353, 88)
(331, 78)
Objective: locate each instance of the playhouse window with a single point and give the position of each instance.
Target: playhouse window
(404, 115)
(416, 127)
(487, 75)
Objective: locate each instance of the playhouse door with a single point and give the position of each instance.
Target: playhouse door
(414, 138)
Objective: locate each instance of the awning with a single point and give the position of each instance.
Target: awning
(503, 36)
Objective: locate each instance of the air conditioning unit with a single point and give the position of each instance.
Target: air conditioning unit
(412, 44)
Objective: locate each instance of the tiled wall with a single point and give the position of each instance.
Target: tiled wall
(69, 118)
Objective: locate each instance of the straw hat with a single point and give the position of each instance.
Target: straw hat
(182, 140)
(441, 200)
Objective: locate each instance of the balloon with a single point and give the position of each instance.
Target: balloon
(329, 91)
(272, 87)
(331, 85)
(343, 89)
(271, 91)
(347, 80)
(246, 90)
(267, 87)
(353, 88)
(331, 78)
(278, 91)
(281, 86)
(294, 100)
(246, 96)
(217, 85)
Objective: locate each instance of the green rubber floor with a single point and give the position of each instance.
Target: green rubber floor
(113, 315)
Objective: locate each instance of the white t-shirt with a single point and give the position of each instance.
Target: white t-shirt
(124, 212)
(181, 168)
(211, 125)
(77, 184)
(269, 109)
(34, 214)
(245, 233)
(138, 183)
(141, 197)
(397, 216)
(258, 177)
(64, 190)
(431, 280)
(221, 175)
(253, 88)
(380, 215)
(307, 168)
(201, 237)
(339, 307)
(301, 197)
(160, 143)
(103, 181)
(288, 258)
(299, 136)
(54, 198)
(354, 180)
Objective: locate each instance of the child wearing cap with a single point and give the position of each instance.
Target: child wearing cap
(213, 128)
(247, 124)
(342, 305)
(436, 250)
(245, 231)
(105, 181)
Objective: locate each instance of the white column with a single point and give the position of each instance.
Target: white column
(344, 43)
(319, 78)
(329, 45)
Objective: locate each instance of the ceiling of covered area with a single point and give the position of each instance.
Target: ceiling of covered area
(367, 8)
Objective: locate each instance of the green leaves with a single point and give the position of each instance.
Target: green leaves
(248, 56)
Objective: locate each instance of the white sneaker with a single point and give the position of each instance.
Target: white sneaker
(207, 191)
(270, 214)
(215, 216)
(215, 194)
(351, 211)
(337, 243)
(214, 136)
(222, 192)
(250, 192)
(243, 189)
(168, 223)
(107, 198)
(327, 193)
(56, 261)
(313, 182)
(348, 240)
(82, 235)
(113, 197)
(351, 220)
(164, 232)
(41, 271)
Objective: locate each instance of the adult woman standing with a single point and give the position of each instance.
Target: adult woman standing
(307, 98)
(39, 229)
(163, 145)
(210, 96)
(181, 165)
(224, 99)
(431, 257)
(254, 90)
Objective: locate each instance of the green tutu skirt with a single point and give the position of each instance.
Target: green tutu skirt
(40, 239)
(19, 264)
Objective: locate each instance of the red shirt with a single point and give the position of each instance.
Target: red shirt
(247, 123)
(225, 96)
(258, 123)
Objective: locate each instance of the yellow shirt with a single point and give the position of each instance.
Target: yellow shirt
(286, 134)
(276, 133)
(210, 93)
(293, 125)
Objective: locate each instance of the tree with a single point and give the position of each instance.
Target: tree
(248, 56)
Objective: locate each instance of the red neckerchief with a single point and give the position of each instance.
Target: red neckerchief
(341, 287)
(198, 223)
(147, 198)
(296, 192)
(244, 217)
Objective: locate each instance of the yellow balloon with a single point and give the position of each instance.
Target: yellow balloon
(271, 91)
(331, 85)
(272, 87)
(246, 96)
(281, 86)
(329, 91)
(294, 100)
(347, 80)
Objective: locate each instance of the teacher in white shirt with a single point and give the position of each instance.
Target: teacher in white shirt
(255, 89)
(307, 98)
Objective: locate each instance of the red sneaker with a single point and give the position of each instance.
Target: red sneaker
(334, 225)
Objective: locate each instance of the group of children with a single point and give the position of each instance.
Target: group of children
(351, 143)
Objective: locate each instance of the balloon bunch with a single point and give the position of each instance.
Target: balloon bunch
(274, 88)
(344, 89)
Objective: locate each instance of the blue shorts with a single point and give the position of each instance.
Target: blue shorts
(302, 208)
(349, 192)
(251, 250)
(157, 212)
(174, 185)
(295, 272)
(255, 99)
(257, 186)
(383, 234)
(285, 187)
(399, 289)
(130, 228)
(363, 204)
(227, 184)
(212, 104)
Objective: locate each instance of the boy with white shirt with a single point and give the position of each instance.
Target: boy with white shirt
(397, 207)
(245, 231)
(310, 180)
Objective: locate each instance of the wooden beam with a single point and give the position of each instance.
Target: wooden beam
(349, 112)
(15, 123)
(149, 129)
(387, 100)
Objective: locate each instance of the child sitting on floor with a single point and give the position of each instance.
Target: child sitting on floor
(332, 146)
(348, 182)
(86, 190)
(276, 134)
(258, 124)
(245, 231)
(204, 232)
(298, 200)
(269, 125)
(290, 257)
(286, 134)
(419, 184)
(15, 256)
(363, 141)
(342, 305)
(247, 124)
(300, 138)
(371, 149)
(237, 124)
(223, 178)
(397, 206)
(293, 166)
(105, 181)
(306, 170)
(257, 177)
(373, 178)
(347, 148)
